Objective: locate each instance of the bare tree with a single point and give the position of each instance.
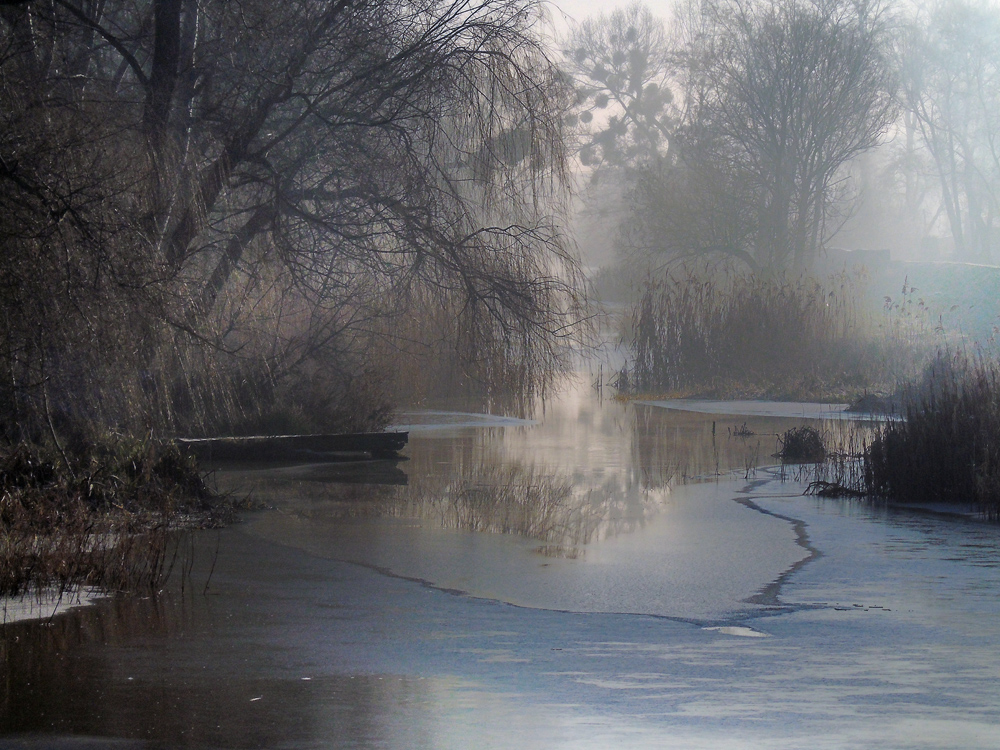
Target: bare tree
(274, 181)
(640, 90)
(770, 100)
(798, 88)
(951, 75)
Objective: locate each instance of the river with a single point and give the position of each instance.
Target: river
(602, 575)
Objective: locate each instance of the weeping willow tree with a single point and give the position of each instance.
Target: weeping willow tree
(209, 209)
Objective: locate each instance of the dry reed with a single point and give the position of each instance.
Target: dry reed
(720, 333)
(941, 450)
(946, 449)
(102, 518)
(802, 445)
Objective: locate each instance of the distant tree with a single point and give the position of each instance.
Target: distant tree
(951, 84)
(770, 100)
(798, 88)
(622, 66)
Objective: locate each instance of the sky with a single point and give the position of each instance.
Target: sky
(577, 10)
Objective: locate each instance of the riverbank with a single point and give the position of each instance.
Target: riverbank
(97, 515)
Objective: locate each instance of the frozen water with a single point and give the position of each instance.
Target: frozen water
(45, 605)
(700, 558)
(729, 613)
(790, 409)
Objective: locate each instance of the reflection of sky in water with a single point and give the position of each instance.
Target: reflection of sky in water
(790, 409)
(421, 421)
(579, 504)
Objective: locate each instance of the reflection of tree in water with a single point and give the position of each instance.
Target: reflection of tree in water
(478, 481)
(670, 445)
(502, 499)
(513, 498)
(475, 490)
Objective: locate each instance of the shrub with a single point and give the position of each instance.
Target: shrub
(100, 516)
(802, 445)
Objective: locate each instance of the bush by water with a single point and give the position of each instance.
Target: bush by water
(98, 516)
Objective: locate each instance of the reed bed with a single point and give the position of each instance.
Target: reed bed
(946, 449)
(942, 449)
(841, 473)
(802, 445)
(104, 517)
(720, 333)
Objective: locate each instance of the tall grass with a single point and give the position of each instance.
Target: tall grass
(718, 332)
(947, 447)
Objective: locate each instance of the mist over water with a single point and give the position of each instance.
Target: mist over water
(216, 224)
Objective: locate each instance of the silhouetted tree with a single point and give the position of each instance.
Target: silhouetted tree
(769, 100)
(623, 68)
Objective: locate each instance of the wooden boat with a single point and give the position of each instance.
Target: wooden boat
(341, 447)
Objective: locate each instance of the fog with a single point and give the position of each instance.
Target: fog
(788, 134)
(193, 249)
(599, 265)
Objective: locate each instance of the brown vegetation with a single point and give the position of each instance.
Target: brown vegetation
(940, 450)
(945, 448)
(802, 445)
(103, 516)
(716, 332)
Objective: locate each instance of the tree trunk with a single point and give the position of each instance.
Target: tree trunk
(165, 67)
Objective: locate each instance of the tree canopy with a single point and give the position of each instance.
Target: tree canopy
(275, 183)
(761, 104)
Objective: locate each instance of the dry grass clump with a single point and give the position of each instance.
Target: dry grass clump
(802, 445)
(725, 334)
(947, 448)
(99, 517)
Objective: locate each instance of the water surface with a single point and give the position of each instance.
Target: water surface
(602, 575)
